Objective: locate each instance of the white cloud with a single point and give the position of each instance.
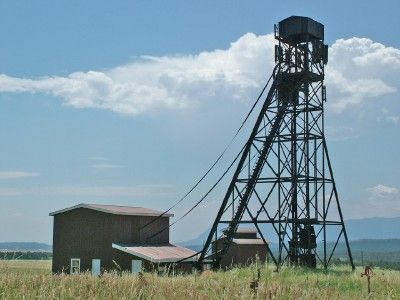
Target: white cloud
(152, 83)
(358, 69)
(382, 201)
(17, 174)
(384, 192)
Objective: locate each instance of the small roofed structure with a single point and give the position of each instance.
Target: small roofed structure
(245, 248)
(298, 29)
(97, 237)
(158, 254)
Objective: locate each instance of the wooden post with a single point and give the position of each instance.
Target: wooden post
(368, 273)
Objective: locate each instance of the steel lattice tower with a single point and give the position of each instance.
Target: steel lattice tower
(283, 183)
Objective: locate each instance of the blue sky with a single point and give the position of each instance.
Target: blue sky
(128, 102)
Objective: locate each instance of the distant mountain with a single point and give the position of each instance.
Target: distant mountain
(357, 229)
(387, 250)
(373, 228)
(25, 246)
(198, 241)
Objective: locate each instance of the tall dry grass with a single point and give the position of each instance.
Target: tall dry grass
(33, 280)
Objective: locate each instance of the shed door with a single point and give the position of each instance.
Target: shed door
(95, 267)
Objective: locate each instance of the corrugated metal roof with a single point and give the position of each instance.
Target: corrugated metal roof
(248, 241)
(116, 210)
(158, 254)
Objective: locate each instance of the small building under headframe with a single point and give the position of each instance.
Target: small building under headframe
(245, 248)
(94, 237)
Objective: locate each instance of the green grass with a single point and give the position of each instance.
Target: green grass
(33, 280)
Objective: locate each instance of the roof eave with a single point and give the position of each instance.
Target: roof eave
(87, 206)
(149, 258)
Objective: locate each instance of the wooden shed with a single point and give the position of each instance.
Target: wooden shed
(106, 237)
(245, 248)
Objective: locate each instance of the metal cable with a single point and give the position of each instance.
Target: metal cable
(217, 160)
(202, 198)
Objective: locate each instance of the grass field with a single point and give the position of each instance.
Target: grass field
(33, 280)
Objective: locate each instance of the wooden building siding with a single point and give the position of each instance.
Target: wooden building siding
(241, 254)
(88, 234)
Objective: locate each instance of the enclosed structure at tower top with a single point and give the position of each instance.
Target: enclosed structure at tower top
(283, 182)
(300, 29)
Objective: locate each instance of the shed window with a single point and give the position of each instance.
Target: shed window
(75, 265)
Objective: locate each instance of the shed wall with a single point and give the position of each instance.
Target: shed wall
(87, 234)
(242, 254)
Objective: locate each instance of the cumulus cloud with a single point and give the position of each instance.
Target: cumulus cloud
(358, 69)
(381, 201)
(151, 83)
